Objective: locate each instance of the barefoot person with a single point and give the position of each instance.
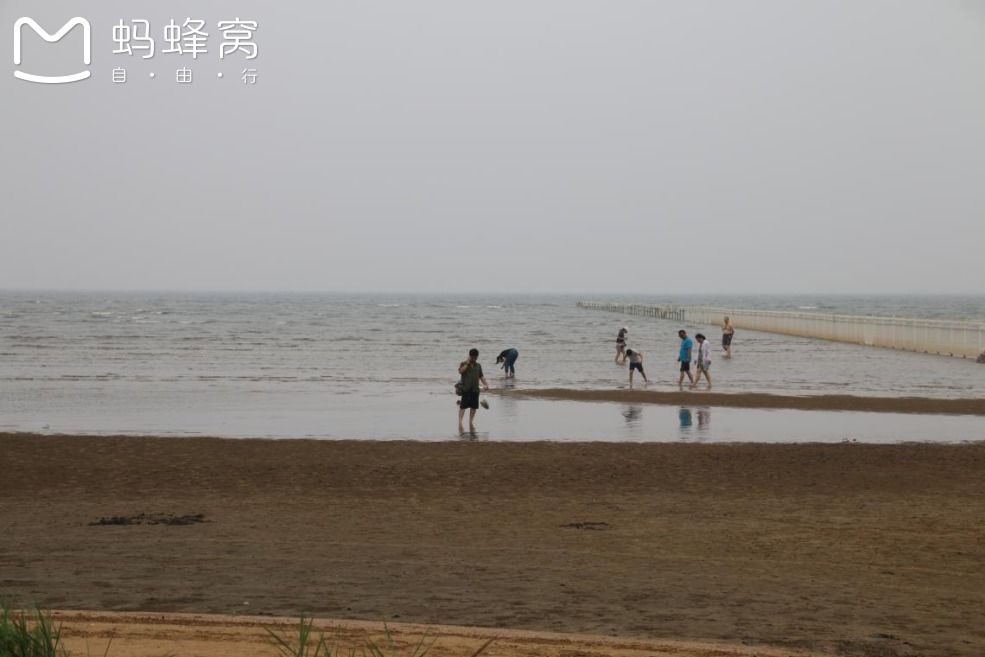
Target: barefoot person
(684, 357)
(703, 361)
(635, 363)
(508, 358)
(621, 345)
(727, 332)
(471, 372)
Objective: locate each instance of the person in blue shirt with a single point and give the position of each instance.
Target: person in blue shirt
(508, 358)
(684, 357)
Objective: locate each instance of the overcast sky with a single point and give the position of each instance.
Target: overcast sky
(528, 145)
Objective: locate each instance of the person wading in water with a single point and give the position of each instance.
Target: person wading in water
(727, 332)
(471, 372)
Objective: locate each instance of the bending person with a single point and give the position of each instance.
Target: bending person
(508, 359)
(635, 363)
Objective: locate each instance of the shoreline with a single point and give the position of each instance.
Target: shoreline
(851, 549)
(910, 405)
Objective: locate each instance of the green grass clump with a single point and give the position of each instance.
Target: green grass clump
(29, 635)
(24, 634)
(288, 648)
(306, 645)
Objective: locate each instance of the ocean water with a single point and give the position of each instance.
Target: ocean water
(383, 366)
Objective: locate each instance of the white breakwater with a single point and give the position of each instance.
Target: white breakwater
(932, 336)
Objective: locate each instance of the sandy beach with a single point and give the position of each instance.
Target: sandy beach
(845, 549)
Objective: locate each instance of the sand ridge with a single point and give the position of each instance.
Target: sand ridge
(701, 396)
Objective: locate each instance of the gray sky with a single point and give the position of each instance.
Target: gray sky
(530, 145)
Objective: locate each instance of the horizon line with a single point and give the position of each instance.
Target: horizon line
(152, 290)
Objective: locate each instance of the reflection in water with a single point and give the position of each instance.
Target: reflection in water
(508, 408)
(632, 414)
(686, 418)
(704, 419)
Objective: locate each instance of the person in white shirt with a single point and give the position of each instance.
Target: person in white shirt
(703, 361)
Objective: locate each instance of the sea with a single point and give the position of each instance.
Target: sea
(383, 366)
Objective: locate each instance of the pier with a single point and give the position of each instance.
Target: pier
(931, 336)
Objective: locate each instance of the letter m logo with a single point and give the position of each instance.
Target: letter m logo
(51, 38)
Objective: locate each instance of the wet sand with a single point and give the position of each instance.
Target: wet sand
(920, 405)
(852, 549)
